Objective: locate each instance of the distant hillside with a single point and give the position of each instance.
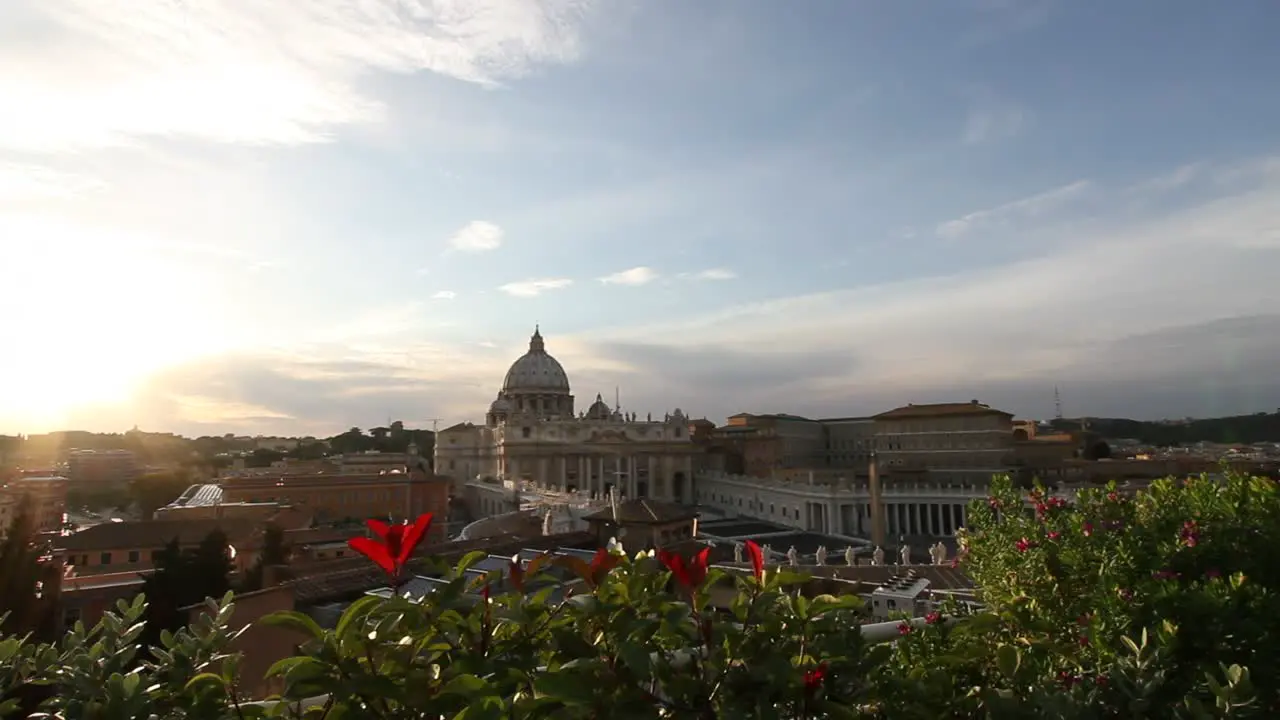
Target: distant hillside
(167, 449)
(1239, 429)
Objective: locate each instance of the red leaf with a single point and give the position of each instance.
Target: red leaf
(375, 551)
(378, 527)
(412, 537)
(757, 558)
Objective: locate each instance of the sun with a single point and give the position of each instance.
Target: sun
(92, 325)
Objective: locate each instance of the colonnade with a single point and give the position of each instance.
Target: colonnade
(636, 475)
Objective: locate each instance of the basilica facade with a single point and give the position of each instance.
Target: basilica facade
(533, 434)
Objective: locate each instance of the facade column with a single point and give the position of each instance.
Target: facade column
(651, 462)
(686, 494)
(633, 481)
(543, 477)
(913, 524)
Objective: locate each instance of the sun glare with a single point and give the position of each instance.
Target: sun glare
(112, 318)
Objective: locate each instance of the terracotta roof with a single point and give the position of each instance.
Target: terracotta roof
(940, 410)
(154, 533)
(645, 512)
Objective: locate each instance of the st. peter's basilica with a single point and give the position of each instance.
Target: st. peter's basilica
(531, 434)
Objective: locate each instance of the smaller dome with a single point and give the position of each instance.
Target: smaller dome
(599, 409)
(536, 371)
(500, 405)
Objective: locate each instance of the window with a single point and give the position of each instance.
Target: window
(134, 556)
(105, 559)
(155, 555)
(71, 560)
(526, 431)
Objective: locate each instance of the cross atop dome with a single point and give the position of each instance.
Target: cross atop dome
(535, 342)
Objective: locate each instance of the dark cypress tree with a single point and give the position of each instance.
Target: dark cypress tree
(165, 589)
(26, 595)
(274, 552)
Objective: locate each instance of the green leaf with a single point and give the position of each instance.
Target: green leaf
(203, 679)
(567, 687)
(357, 609)
(294, 620)
(465, 685)
(1008, 660)
(287, 665)
(636, 656)
(468, 560)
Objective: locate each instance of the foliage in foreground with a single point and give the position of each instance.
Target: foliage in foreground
(1158, 606)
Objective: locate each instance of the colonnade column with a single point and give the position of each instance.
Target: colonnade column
(652, 463)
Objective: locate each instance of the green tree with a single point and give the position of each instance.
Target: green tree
(25, 602)
(182, 579)
(275, 551)
(153, 491)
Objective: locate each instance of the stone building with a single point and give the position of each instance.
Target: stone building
(532, 436)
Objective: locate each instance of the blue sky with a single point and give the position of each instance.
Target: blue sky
(298, 217)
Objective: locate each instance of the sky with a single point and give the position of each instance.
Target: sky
(295, 218)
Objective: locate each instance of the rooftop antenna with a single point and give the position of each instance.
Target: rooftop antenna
(1057, 403)
(617, 402)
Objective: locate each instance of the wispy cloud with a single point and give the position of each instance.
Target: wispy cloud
(1036, 206)
(444, 295)
(991, 117)
(103, 72)
(21, 183)
(715, 274)
(533, 288)
(477, 236)
(634, 276)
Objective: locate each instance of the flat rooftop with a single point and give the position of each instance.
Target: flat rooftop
(738, 528)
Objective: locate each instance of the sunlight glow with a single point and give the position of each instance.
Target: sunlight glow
(93, 318)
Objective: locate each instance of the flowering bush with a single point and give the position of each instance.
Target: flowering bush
(1106, 606)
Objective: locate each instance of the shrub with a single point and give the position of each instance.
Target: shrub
(1105, 607)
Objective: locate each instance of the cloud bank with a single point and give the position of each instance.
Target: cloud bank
(1166, 314)
(95, 73)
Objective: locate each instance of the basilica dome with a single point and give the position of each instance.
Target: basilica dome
(536, 371)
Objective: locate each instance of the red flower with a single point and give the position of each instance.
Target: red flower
(757, 559)
(813, 677)
(933, 618)
(1190, 533)
(1024, 545)
(601, 563)
(1087, 529)
(394, 545)
(904, 629)
(689, 574)
(516, 573)
(1054, 534)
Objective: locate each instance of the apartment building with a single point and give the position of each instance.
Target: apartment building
(775, 441)
(102, 467)
(950, 443)
(340, 495)
(46, 498)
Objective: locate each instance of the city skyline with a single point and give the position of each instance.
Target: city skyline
(295, 219)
